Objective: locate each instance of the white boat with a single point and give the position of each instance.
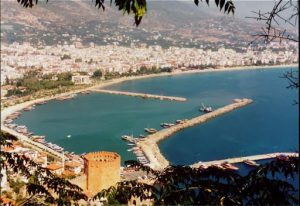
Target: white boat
(69, 136)
(251, 163)
(205, 109)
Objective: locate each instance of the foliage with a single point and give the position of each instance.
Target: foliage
(65, 56)
(272, 32)
(97, 74)
(139, 7)
(183, 185)
(43, 185)
(33, 81)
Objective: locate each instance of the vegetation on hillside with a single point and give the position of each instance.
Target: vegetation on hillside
(269, 184)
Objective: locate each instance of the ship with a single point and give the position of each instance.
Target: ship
(251, 163)
(205, 109)
(179, 121)
(219, 166)
(282, 157)
(150, 130)
(229, 166)
(166, 125)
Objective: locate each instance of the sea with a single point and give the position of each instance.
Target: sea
(96, 122)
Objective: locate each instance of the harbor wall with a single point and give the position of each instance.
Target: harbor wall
(149, 144)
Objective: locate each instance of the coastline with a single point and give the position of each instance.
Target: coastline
(11, 109)
(18, 107)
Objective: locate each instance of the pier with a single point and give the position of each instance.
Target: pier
(143, 95)
(38, 146)
(149, 144)
(242, 159)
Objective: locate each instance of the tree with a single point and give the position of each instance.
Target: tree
(97, 74)
(273, 32)
(43, 187)
(183, 185)
(139, 7)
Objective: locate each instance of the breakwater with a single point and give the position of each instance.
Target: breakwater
(149, 144)
(143, 95)
(242, 159)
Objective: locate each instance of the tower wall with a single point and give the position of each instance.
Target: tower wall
(102, 170)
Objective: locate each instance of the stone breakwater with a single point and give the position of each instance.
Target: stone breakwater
(149, 145)
(143, 95)
(242, 159)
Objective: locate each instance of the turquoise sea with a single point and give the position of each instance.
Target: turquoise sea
(97, 121)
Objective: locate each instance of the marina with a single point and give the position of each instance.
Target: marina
(145, 96)
(149, 144)
(169, 119)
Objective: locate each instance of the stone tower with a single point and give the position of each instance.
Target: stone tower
(102, 170)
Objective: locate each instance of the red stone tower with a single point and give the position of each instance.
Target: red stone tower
(102, 170)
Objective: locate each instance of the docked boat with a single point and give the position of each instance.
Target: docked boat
(251, 163)
(150, 130)
(229, 166)
(130, 144)
(179, 121)
(126, 137)
(219, 166)
(166, 125)
(8, 121)
(142, 136)
(40, 103)
(283, 157)
(205, 109)
(28, 108)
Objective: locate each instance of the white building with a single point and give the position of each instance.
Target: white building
(81, 79)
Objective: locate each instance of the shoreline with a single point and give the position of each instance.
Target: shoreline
(19, 107)
(11, 109)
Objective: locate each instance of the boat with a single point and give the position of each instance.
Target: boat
(130, 144)
(179, 121)
(150, 130)
(142, 136)
(126, 137)
(205, 109)
(69, 136)
(129, 150)
(282, 157)
(229, 166)
(28, 108)
(251, 163)
(219, 166)
(166, 125)
(40, 103)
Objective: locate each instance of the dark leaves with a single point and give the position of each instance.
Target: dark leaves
(183, 185)
(137, 7)
(42, 181)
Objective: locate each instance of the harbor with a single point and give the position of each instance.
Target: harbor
(143, 95)
(149, 144)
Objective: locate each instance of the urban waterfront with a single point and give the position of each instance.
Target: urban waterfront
(97, 121)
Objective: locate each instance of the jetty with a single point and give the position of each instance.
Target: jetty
(242, 159)
(27, 141)
(143, 95)
(149, 144)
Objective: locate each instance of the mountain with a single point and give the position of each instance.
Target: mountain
(167, 23)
